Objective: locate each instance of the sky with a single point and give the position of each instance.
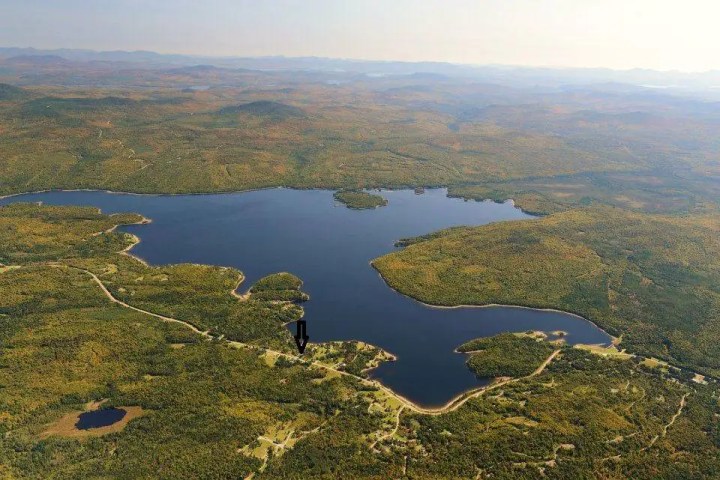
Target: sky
(621, 34)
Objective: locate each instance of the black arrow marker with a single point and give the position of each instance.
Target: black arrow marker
(301, 337)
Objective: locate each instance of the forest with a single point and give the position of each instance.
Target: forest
(235, 401)
(650, 279)
(199, 128)
(623, 181)
(359, 200)
(488, 357)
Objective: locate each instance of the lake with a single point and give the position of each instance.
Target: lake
(329, 247)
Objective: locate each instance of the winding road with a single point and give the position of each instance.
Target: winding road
(451, 406)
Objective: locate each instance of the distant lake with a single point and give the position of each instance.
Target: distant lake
(329, 247)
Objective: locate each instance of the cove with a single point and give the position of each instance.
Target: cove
(329, 247)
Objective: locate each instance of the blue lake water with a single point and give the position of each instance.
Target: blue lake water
(100, 418)
(329, 246)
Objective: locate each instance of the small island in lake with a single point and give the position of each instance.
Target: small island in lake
(359, 200)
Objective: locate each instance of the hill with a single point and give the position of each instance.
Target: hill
(264, 108)
(11, 92)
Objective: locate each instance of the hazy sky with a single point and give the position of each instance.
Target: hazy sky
(660, 34)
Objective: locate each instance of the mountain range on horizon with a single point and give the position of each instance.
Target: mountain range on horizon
(541, 76)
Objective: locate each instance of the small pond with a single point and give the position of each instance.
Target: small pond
(100, 418)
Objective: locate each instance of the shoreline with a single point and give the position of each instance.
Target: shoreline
(241, 190)
(509, 200)
(446, 187)
(143, 194)
(136, 240)
(613, 340)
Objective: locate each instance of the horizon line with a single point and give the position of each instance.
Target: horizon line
(366, 60)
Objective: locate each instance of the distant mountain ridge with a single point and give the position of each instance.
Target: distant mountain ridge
(38, 60)
(520, 75)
